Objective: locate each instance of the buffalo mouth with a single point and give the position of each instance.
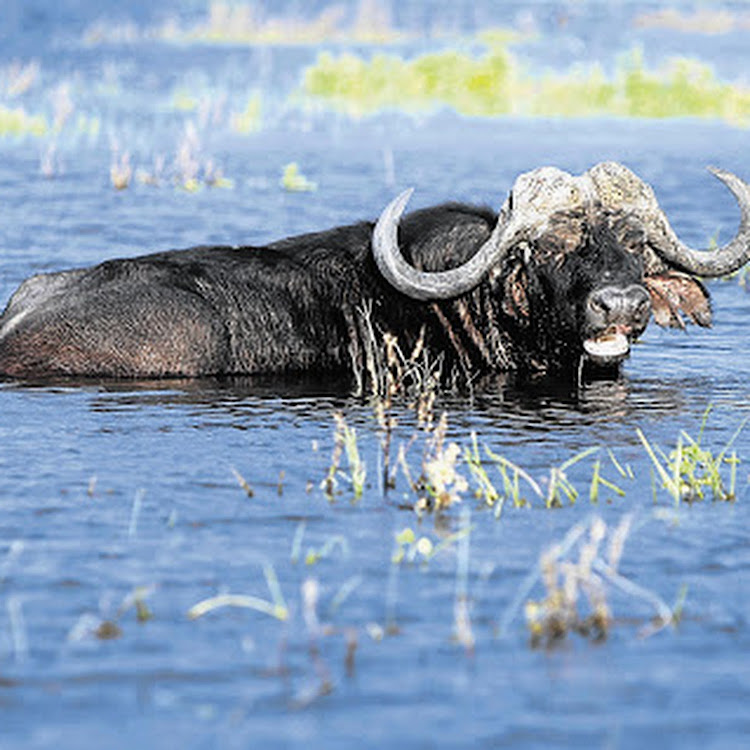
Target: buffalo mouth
(607, 347)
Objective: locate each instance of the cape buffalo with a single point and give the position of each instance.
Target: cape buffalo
(568, 273)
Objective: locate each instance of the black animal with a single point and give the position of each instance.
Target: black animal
(569, 272)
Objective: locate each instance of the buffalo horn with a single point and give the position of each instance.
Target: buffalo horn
(427, 285)
(711, 263)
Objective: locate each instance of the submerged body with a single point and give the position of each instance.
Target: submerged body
(565, 273)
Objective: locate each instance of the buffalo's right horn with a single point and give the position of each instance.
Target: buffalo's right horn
(710, 263)
(426, 285)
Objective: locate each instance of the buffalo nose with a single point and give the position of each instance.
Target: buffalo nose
(616, 304)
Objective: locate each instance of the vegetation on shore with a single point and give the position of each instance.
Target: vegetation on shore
(495, 83)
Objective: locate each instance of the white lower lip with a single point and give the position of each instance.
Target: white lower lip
(611, 346)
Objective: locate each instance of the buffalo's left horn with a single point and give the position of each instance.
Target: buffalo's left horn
(711, 263)
(426, 285)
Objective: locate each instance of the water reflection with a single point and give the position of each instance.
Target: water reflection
(620, 399)
(545, 405)
(203, 393)
(560, 402)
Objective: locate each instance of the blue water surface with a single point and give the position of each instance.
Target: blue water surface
(123, 505)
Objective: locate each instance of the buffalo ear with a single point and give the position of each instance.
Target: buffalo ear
(515, 301)
(673, 293)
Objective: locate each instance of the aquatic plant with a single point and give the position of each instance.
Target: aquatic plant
(409, 546)
(275, 607)
(15, 121)
(108, 628)
(49, 162)
(120, 170)
(383, 396)
(243, 483)
(296, 550)
(511, 475)
(18, 78)
(315, 555)
(189, 170)
(18, 631)
(184, 101)
(317, 629)
(576, 589)
(153, 176)
(462, 630)
(390, 376)
(186, 163)
(441, 485)
(345, 443)
(213, 176)
(550, 619)
(391, 372)
(598, 481)
(293, 181)
(486, 490)
(249, 120)
(244, 601)
(558, 486)
(62, 105)
(15, 80)
(690, 471)
(135, 512)
(136, 599)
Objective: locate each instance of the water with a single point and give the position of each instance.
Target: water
(112, 492)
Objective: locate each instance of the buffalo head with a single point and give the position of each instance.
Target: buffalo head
(578, 264)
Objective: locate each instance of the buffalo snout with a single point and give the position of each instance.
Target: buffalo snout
(615, 316)
(629, 307)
